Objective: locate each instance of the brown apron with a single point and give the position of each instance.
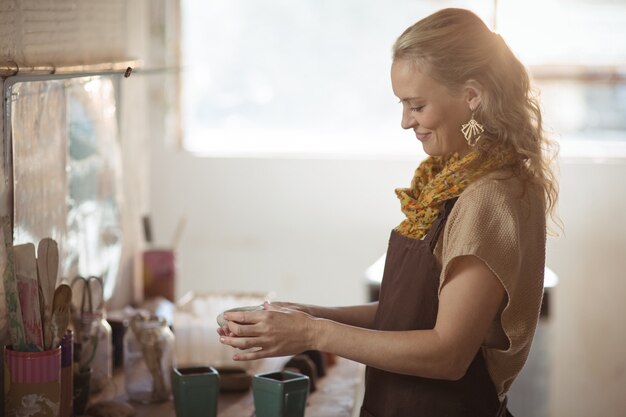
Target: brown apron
(408, 301)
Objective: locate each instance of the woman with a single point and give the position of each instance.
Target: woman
(463, 279)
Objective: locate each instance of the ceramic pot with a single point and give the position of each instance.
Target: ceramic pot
(196, 391)
(280, 394)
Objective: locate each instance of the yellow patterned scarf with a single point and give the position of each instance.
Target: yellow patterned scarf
(436, 180)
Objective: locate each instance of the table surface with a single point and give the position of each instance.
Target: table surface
(338, 394)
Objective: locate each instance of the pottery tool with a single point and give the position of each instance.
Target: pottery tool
(16, 327)
(25, 265)
(42, 313)
(47, 268)
(147, 229)
(87, 295)
(95, 287)
(60, 317)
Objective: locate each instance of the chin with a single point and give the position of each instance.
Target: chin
(439, 151)
(433, 150)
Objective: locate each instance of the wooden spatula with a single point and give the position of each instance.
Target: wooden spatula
(60, 313)
(47, 268)
(25, 265)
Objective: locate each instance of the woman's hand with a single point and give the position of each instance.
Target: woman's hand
(294, 306)
(225, 331)
(274, 331)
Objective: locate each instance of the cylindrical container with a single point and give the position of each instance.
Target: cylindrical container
(95, 339)
(67, 375)
(148, 359)
(32, 381)
(159, 273)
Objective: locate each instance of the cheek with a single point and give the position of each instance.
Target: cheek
(430, 120)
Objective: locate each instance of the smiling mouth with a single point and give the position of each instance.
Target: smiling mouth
(422, 136)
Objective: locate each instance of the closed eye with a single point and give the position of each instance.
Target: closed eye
(418, 108)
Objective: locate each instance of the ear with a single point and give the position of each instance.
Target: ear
(472, 93)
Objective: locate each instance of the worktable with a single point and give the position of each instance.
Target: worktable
(338, 394)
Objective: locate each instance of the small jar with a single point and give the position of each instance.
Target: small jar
(96, 349)
(148, 359)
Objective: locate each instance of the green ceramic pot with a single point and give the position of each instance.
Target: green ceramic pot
(280, 394)
(196, 391)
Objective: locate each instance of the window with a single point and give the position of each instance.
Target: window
(294, 78)
(274, 77)
(575, 51)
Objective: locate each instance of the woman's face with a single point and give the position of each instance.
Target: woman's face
(430, 110)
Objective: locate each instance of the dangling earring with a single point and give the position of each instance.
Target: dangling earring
(472, 130)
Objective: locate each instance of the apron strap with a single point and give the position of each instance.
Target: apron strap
(503, 411)
(432, 236)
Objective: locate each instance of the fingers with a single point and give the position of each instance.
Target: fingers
(224, 331)
(250, 356)
(242, 343)
(245, 330)
(270, 307)
(251, 348)
(241, 324)
(237, 329)
(244, 317)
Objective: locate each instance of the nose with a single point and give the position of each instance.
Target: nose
(408, 121)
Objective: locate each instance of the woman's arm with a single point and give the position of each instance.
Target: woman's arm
(468, 303)
(359, 315)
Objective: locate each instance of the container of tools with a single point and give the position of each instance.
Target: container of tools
(93, 332)
(38, 312)
(148, 359)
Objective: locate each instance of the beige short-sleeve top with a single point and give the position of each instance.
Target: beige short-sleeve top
(501, 220)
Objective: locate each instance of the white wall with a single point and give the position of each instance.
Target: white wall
(304, 229)
(307, 229)
(588, 362)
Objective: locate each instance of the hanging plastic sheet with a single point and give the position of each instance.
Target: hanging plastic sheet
(67, 172)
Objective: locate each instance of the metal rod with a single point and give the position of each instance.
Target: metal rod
(10, 69)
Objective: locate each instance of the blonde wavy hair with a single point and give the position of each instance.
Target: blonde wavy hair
(454, 46)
